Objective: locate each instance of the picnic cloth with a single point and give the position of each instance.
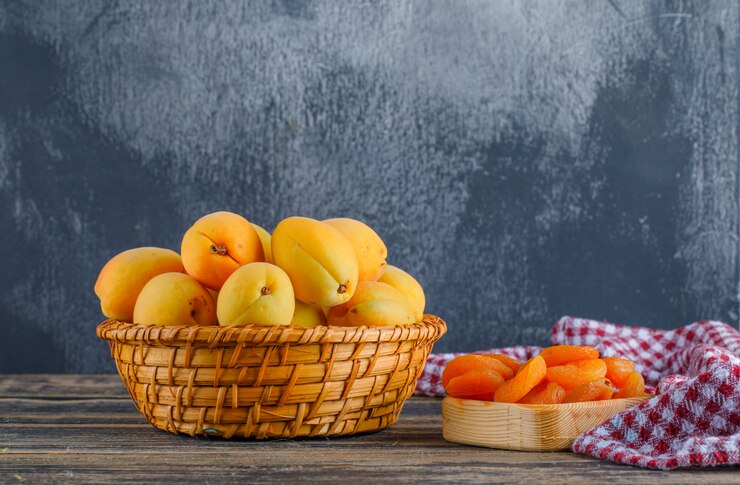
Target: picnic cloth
(694, 418)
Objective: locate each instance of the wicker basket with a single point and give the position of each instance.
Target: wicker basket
(270, 382)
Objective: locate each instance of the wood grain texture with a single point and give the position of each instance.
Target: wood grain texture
(531, 427)
(523, 160)
(92, 437)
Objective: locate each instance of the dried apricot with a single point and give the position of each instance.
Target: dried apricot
(544, 393)
(596, 390)
(634, 386)
(617, 369)
(500, 367)
(529, 375)
(561, 354)
(577, 373)
(465, 363)
(512, 363)
(480, 384)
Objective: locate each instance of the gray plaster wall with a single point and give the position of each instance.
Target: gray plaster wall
(524, 159)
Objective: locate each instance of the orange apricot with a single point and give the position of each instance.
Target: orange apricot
(174, 299)
(372, 304)
(576, 373)
(258, 293)
(409, 286)
(529, 375)
(634, 386)
(123, 277)
(618, 369)
(465, 363)
(561, 354)
(369, 248)
(320, 261)
(503, 369)
(308, 316)
(217, 245)
(544, 393)
(480, 384)
(511, 363)
(597, 390)
(266, 240)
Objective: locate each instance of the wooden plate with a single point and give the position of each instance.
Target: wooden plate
(525, 427)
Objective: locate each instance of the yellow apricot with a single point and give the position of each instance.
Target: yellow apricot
(122, 278)
(174, 299)
(307, 315)
(373, 304)
(258, 293)
(406, 284)
(369, 248)
(375, 313)
(216, 245)
(320, 261)
(265, 239)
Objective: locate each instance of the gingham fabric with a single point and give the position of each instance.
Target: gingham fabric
(694, 420)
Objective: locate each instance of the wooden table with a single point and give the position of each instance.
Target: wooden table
(84, 428)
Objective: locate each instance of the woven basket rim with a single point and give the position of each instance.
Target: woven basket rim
(430, 328)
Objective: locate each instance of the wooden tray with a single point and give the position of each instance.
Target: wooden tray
(525, 427)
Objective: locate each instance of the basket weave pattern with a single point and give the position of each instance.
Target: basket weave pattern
(270, 382)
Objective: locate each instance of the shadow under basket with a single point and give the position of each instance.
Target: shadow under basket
(270, 381)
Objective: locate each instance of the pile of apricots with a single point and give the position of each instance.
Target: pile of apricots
(559, 374)
(232, 272)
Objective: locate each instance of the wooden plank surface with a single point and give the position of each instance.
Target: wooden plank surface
(84, 428)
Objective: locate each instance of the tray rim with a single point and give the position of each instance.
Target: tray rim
(501, 435)
(554, 407)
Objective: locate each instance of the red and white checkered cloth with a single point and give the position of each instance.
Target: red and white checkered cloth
(694, 420)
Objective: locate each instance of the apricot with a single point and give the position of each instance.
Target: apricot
(529, 376)
(122, 278)
(562, 354)
(618, 369)
(258, 293)
(406, 284)
(369, 248)
(596, 390)
(373, 304)
(306, 315)
(576, 373)
(634, 386)
(479, 384)
(511, 363)
(266, 241)
(544, 393)
(216, 245)
(466, 363)
(318, 259)
(174, 299)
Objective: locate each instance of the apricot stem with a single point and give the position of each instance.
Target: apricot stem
(265, 290)
(342, 289)
(220, 249)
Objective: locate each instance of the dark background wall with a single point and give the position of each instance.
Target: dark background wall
(524, 160)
